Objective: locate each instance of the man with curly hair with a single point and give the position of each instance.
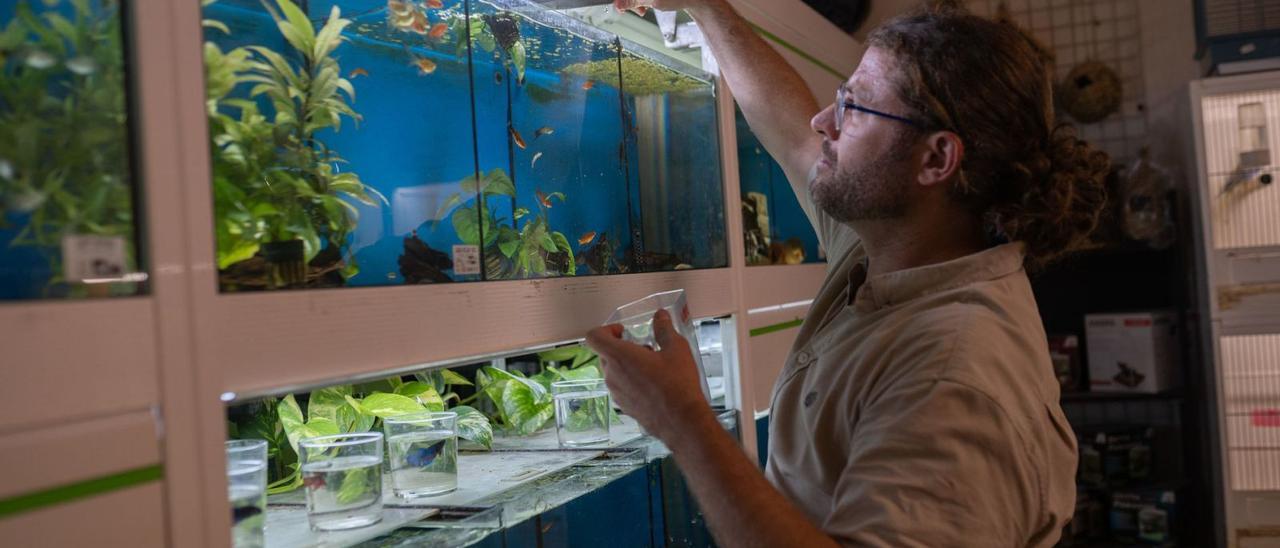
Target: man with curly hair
(918, 406)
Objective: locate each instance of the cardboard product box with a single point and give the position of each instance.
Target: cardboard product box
(1115, 457)
(1148, 516)
(1133, 352)
(1064, 352)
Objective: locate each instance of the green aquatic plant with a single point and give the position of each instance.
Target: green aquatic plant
(274, 181)
(64, 140)
(352, 409)
(526, 248)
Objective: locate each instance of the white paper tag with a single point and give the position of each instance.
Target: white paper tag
(466, 260)
(93, 257)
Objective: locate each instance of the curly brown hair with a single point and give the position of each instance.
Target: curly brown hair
(1028, 177)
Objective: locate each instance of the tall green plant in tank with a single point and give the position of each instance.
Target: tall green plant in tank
(278, 190)
(64, 142)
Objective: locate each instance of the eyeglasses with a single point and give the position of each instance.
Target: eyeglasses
(843, 105)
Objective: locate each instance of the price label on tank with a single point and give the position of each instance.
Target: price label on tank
(466, 260)
(92, 258)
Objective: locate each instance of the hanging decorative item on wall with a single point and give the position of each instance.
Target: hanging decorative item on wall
(1090, 92)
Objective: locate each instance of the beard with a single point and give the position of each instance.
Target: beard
(875, 190)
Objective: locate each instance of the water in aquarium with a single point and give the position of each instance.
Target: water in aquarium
(68, 227)
(582, 418)
(452, 140)
(775, 227)
(343, 493)
(424, 463)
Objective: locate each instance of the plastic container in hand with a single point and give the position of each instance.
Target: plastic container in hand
(636, 319)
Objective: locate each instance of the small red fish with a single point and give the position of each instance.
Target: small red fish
(357, 72)
(587, 238)
(437, 31)
(315, 481)
(586, 86)
(543, 199)
(515, 136)
(434, 4)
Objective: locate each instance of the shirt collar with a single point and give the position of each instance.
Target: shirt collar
(897, 287)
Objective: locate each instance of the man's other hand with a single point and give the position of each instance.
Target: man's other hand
(658, 389)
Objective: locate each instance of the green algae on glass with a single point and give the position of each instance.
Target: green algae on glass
(641, 77)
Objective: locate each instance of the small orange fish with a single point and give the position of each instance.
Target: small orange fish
(543, 199)
(399, 7)
(586, 86)
(434, 4)
(425, 66)
(421, 24)
(587, 238)
(357, 72)
(515, 136)
(437, 31)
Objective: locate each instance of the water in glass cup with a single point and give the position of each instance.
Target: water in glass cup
(582, 412)
(423, 453)
(247, 491)
(342, 476)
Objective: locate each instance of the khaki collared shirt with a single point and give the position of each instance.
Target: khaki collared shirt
(923, 411)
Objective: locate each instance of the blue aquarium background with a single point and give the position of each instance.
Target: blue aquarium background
(785, 235)
(491, 141)
(65, 146)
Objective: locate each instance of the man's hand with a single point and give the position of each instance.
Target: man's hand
(658, 389)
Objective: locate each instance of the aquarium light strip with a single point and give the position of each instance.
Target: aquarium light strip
(802, 53)
(776, 327)
(780, 307)
(79, 490)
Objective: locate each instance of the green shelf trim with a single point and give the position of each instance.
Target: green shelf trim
(79, 490)
(802, 53)
(776, 327)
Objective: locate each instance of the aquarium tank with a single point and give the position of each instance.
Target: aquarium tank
(68, 196)
(388, 142)
(775, 229)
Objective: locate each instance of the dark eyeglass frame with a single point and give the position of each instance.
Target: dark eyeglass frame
(843, 105)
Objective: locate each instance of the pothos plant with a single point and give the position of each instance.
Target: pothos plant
(523, 404)
(64, 156)
(274, 181)
(353, 409)
(526, 248)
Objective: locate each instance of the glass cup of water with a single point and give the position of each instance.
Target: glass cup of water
(342, 476)
(423, 450)
(247, 491)
(582, 412)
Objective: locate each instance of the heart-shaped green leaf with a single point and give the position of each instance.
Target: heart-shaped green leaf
(423, 393)
(474, 426)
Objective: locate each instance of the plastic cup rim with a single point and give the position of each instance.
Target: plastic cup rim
(419, 417)
(355, 438)
(576, 383)
(237, 447)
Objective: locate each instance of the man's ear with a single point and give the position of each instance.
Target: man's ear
(942, 155)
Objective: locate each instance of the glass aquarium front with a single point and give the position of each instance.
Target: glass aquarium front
(68, 196)
(387, 142)
(775, 228)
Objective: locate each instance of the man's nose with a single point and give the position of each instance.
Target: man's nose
(824, 123)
